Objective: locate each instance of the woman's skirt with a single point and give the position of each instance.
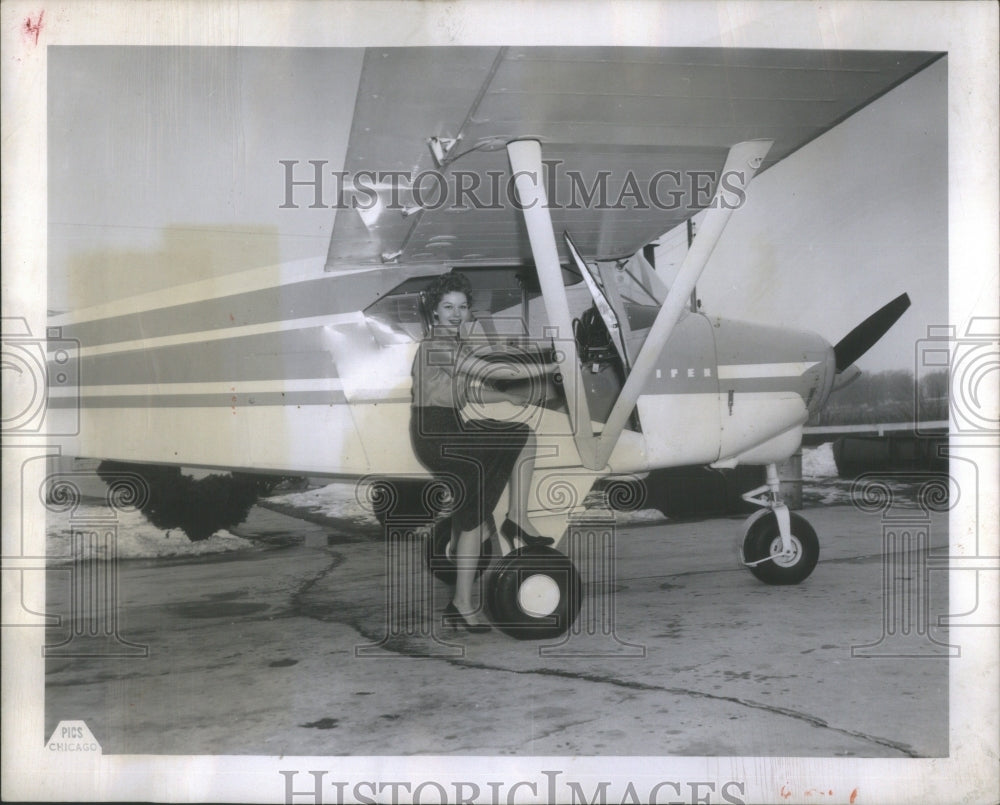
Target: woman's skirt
(474, 458)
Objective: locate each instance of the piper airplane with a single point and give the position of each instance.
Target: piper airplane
(541, 174)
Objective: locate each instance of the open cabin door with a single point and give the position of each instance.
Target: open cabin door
(677, 411)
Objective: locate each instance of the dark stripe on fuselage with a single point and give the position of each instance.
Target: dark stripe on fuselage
(768, 385)
(284, 355)
(408, 400)
(323, 296)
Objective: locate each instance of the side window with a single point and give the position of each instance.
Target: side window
(499, 307)
(397, 318)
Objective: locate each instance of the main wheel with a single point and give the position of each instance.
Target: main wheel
(438, 560)
(534, 593)
(764, 539)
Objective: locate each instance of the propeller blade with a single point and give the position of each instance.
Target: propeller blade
(863, 337)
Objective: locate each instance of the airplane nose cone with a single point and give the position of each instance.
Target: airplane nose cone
(824, 374)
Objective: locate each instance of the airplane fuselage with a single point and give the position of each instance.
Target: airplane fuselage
(287, 373)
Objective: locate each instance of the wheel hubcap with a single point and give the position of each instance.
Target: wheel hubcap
(786, 561)
(538, 596)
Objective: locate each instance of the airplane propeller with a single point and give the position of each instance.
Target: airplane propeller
(863, 337)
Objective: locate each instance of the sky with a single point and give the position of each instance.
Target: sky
(164, 168)
(141, 139)
(846, 224)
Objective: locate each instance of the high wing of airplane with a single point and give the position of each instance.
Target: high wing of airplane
(541, 174)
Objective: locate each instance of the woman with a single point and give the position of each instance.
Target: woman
(482, 455)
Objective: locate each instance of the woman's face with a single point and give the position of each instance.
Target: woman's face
(452, 310)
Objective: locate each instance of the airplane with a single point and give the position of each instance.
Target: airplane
(543, 174)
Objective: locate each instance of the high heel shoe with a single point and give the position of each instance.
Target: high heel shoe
(455, 619)
(510, 529)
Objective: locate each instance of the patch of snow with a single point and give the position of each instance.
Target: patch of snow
(134, 536)
(337, 500)
(639, 516)
(817, 462)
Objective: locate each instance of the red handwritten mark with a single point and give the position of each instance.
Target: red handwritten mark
(33, 29)
(785, 792)
(854, 795)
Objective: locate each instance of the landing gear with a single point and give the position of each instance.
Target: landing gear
(531, 593)
(534, 593)
(764, 555)
(779, 547)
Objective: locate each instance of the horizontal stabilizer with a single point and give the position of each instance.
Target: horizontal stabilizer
(863, 337)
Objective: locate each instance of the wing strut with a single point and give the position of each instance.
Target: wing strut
(742, 163)
(526, 163)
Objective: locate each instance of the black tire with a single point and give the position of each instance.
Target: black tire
(442, 565)
(530, 577)
(764, 539)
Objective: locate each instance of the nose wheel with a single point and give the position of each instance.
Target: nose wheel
(779, 546)
(764, 553)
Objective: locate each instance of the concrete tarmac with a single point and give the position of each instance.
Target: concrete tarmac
(298, 648)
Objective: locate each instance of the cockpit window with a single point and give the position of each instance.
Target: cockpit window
(400, 315)
(640, 317)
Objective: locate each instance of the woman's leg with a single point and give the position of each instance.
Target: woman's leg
(520, 485)
(466, 562)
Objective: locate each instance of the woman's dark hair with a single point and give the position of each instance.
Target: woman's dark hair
(445, 284)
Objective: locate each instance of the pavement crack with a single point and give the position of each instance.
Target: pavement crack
(404, 648)
(699, 694)
(299, 598)
(412, 641)
(541, 736)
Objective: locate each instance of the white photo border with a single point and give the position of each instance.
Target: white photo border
(967, 31)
